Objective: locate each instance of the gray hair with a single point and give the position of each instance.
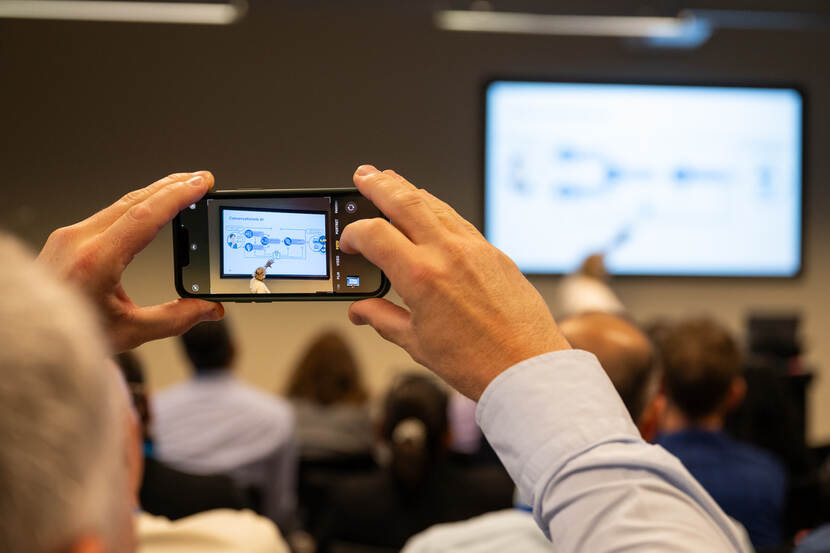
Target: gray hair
(62, 466)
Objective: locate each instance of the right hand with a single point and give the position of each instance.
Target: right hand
(472, 314)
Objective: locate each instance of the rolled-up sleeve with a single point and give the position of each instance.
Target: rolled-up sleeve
(563, 433)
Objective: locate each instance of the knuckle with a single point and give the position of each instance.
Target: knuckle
(408, 198)
(60, 235)
(425, 272)
(139, 212)
(173, 177)
(134, 196)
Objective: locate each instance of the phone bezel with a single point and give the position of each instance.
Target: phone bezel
(384, 288)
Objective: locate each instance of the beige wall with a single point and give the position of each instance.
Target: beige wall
(299, 98)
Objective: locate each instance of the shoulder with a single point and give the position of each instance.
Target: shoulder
(218, 530)
(260, 400)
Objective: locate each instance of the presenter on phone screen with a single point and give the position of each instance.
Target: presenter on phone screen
(258, 285)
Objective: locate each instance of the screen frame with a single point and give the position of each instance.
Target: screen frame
(222, 273)
(798, 88)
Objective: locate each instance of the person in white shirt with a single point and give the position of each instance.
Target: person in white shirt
(216, 424)
(628, 358)
(257, 283)
(217, 531)
(587, 291)
(550, 412)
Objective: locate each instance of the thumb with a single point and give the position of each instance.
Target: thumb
(392, 322)
(173, 318)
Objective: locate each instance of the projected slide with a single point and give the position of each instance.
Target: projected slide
(665, 180)
(286, 243)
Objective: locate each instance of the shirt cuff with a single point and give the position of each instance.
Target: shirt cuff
(544, 411)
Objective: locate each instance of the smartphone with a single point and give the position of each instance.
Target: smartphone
(273, 245)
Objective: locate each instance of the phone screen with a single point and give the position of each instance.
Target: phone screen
(273, 244)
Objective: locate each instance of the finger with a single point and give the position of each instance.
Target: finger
(450, 217)
(399, 200)
(172, 318)
(141, 223)
(107, 216)
(392, 322)
(382, 244)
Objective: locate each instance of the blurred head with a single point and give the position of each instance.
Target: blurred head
(63, 474)
(209, 346)
(626, 354)
(133, 373)
(415, 426)
(702, 365)
(594, 267)
(328, 373)
(260, 273)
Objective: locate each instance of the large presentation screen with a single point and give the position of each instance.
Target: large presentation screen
(662, 179)
(290, 244)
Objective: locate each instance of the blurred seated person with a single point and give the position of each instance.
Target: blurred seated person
(703, 382)
(627, 356)
(216, 424)
(330, 401)
(165, 491)
(588, 290)
(417, 487)
(213, 531)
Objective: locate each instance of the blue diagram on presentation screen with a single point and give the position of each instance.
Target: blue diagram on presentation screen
(662, 180)
(286, 243)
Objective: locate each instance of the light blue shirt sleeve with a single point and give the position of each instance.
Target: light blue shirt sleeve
(565, 437)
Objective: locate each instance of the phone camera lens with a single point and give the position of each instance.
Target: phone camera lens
(351, 207)
(194, 246)
(195, 287)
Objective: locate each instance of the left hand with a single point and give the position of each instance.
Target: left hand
(93, 254)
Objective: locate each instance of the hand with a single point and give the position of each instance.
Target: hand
(269, 263)
(471, 312)
(93, 254)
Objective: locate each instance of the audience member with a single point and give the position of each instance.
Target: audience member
(418, 487)
(703, 383)
(588, 290)
(626, 355)
(330, 401)
(472, 318)
(215, 531)
(165, 491)
(214, 423)
(64, 487)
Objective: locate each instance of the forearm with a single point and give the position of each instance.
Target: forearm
(564, 435)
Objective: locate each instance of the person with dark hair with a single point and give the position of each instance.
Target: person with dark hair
(703, 382)
(630, 361)
(330, 401)
(215, 424)
(417, 487)
(166, 491)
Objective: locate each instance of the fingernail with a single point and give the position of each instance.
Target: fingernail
(198, 180)
(366, 170)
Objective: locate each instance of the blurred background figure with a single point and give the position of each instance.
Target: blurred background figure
(215, 424)
(199, 527)
(330, 401)
(588, 290)
(165, 491)
(703, 383)
(628, 357)
(334, 427)
(417, 486)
